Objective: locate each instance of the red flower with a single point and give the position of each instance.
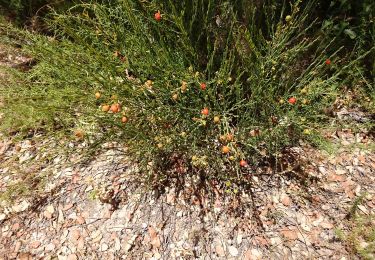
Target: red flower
(205, 111)
(158, 16)
(203, 86)
(292, 100)
(328, 62)
(243, 163)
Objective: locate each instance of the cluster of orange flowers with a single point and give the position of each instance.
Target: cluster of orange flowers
(114, 108)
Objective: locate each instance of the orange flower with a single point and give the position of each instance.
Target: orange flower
(243, 163)
(124, 119)
(157, 16)
(205, 111)
(225, 149)
(292, 100)
(115, 108)
(105, 108)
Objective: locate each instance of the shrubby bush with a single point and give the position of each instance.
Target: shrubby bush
(213, 87)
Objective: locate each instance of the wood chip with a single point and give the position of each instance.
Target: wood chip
(334, 177)
(68, 206)
(35, 244)
(363, 209)
(80, 220)
(326, 225)
(81, 243)
(253, 254)
(47, 214)
(289, 234)
(72, 257)
(75, 234)
(155, 241)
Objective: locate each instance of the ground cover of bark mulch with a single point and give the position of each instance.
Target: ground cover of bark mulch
(95, 211)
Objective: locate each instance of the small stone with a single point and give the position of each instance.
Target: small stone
(50, 209)
(104, 247)
(233, 251)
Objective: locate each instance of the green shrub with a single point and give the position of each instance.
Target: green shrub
(21, 9)
(252, 59)
(352, 23)
(360, 238)
(32, 12)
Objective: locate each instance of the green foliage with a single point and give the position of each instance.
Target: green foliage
(21, 9)
(252, 57)
(353, 211)
(31, 12)
(353, 23)
(360, 239)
